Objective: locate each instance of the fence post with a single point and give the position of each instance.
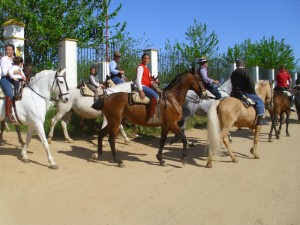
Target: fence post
(255, 73)
(67, 58)
(153, 65)
(103, 70)
(271, 75)
(14, 34)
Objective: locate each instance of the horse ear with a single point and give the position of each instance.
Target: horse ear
(61, 71)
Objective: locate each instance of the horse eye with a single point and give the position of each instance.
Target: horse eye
(61, 82)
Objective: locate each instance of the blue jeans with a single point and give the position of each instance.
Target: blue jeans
(117, 80)
(214, 90)
(150, 93)
(260, 106)
(7, 89)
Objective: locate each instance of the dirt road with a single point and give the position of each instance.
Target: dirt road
(84, 192)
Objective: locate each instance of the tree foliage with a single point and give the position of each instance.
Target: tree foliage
(49, 21)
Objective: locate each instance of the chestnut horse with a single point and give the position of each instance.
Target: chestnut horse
(116, 107)
(224, 114)
(281, 107)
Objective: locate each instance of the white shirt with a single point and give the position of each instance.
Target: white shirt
(6, 64)
(15, 76)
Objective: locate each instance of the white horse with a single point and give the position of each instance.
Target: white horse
(31, 109)
(194, 105)
(81, 105)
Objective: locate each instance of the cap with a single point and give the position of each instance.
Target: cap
(202, 60)
(239, 62)
(116, 53)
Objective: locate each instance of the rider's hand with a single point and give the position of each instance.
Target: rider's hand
(142, 94)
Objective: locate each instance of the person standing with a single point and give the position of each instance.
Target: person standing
(241, 81)
(143, 83)
(6, 83)
(209, 83)
(116, 73)
(283, 82)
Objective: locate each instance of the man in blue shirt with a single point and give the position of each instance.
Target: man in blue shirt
(116, 74)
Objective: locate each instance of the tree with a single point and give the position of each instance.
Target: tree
(49, 21)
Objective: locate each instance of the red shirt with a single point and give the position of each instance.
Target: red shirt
(146, 79)
(282, 79)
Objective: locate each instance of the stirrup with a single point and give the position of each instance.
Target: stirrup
(292, 109)
(10, 119)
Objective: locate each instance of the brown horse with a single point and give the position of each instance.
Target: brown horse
(281, 107)
(224, 114)
(116, 107)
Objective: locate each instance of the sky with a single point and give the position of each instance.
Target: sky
(232, 21)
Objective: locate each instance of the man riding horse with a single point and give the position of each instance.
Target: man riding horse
(242, 83)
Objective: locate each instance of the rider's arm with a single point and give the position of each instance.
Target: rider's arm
(93, 82)
(112, 67)
(139, 75)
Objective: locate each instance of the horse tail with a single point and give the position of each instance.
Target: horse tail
(213, 130)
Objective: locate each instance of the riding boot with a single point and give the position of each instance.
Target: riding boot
(152, 113)
(259, 120)
(8, 111)
(96, 97)
(292, 104)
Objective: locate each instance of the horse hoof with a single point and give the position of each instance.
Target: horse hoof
(163, 163)
(25, 160)
(191, 145)
(95, 156)
(54, 167)
(256, 157)
(235, 160)
(121, 165)
(127, 140)
(171, 142)
(208, 165)
(49, 141)
(70, 140)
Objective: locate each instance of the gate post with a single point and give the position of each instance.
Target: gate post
(153, 67)
(14, 34)
(255, 73)
(67, 59)
(271, 75)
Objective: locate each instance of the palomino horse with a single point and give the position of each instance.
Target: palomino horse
(281, 107)
(229, 112)
(31, 109)
(193, 105)
(81, 105)
(116, 107)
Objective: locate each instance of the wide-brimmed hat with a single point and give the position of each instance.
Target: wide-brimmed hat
(116, 53)
(202, 60)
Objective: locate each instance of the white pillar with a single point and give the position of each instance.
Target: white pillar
(103, 71)
(271, 75)
(153, 65)
(255, 73)
(14, 34)
(67, 58)
(231, 68)
(294, 78)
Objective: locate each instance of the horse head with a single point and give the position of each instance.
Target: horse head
(60, 85)
(198, 86)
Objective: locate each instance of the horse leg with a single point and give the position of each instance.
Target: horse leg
(65, 118)
(25, 158)
(227, 145)
(280, 125)
(253, 150)
(126, 139)
(41, 133)
(273, 126)
(18, 129)
(162, 141)
(1, 132)
(287, 121)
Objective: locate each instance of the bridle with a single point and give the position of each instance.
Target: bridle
(55, 81)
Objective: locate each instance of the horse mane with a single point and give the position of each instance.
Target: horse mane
(39, 76)
(176, 79)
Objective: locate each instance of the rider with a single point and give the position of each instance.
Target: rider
(116, 73)
(143, 82)
(209, 83)
(241, 81)
(283, 82)
(94, 83)
(17, 78)
(5, 82)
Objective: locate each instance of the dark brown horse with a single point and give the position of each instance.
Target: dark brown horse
(116, 108)
(281, 107)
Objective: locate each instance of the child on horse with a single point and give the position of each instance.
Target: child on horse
(283, 83)
(94, 83)
(17, 78)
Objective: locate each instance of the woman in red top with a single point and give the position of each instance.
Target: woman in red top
(283, 82)
(143, 82)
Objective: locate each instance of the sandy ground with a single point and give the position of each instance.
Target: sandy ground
(264, 191)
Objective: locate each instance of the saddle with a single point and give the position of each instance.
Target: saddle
(86, 91)
(247, 102)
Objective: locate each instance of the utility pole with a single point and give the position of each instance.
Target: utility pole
(106, 34)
